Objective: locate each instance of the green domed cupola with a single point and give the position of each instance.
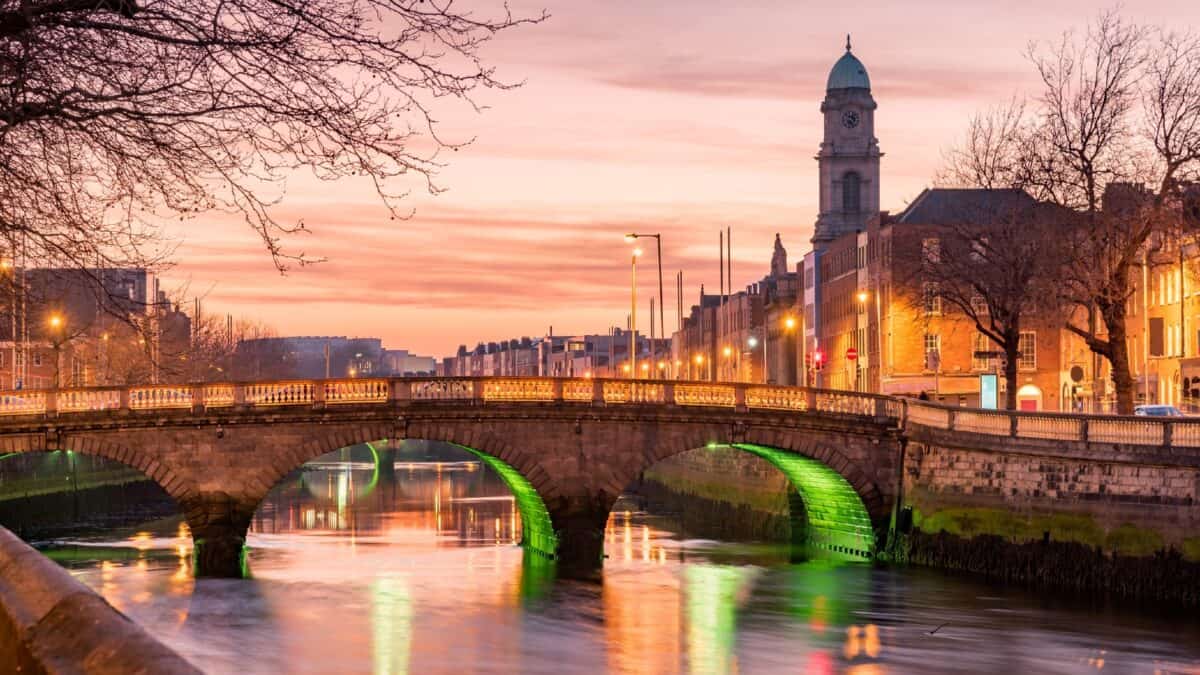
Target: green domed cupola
(848, 72)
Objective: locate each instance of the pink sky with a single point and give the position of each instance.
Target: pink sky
(673, 116)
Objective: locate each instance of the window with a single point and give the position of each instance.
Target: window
(851, 192)
(933, 351)
(981, 344)
(931, 250)
(1028, 348)
(931, 298)
(37, 358)
(978, 305)
(979, 250)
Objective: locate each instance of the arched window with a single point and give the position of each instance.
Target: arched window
(851, 192)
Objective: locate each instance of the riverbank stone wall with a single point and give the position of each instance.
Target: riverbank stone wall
(52, 623)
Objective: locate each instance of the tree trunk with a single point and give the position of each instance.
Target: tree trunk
(1118, 356)
(1010, 371)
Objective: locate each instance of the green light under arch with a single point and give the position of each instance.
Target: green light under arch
(537, 531)
(837, 518)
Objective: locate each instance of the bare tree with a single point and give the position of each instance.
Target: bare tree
(1116, 130)
(990, 264)
(116, 114)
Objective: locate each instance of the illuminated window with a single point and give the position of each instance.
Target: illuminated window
(978, 305)
(933, 351)
(1028, 348)
(981, 344)
(931, 298)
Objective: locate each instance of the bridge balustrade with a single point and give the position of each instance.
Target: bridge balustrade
(715, 395)
(777, 398)
(355, 391)
(904, 413)
(279, 393)
(160, 397)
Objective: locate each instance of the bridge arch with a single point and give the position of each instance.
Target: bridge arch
(537, 528)
(117, 470)
(839, 508)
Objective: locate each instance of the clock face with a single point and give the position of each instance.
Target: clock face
(850, 119)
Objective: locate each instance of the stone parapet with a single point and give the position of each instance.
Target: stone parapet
(51, 623)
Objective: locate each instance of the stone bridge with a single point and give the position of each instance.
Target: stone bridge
(566, 447)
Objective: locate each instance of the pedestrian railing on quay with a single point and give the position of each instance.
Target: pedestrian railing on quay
(893, 411)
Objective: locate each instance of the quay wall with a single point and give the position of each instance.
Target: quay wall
(52, 623)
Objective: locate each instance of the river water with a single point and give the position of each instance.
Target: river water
(357, 571)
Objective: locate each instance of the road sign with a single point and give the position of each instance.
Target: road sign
(851, 354)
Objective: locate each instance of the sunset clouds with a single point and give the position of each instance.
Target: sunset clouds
(671, 116)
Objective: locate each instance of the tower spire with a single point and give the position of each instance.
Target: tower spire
(847, 42)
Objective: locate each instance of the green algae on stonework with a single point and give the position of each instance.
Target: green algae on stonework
(537, 531)
(769, 501)
(1127, 539)
(1190, 548)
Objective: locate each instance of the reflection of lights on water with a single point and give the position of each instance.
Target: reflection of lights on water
(712, 599)
(819, 663)
(861, 640)
(391, 625)
(141, 541)
(645, 543)
(820, 611)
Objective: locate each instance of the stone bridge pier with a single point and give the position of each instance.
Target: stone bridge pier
(566, 464)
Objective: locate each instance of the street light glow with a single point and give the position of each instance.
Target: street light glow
(752, 342)
(727, 351)
(637, 252)
(55, 321)
(699, 359)
(862, 296)
(630, 238)
(789, 322)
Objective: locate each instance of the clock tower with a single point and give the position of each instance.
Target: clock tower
(849, 157)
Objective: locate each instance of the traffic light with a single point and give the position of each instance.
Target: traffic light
(818, 359)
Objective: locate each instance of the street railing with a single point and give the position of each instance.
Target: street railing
(905, 413)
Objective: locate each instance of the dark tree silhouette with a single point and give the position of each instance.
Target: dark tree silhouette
(117, 113)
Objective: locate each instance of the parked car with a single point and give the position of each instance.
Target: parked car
(1157, 411)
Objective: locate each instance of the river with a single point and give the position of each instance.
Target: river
(355, 570)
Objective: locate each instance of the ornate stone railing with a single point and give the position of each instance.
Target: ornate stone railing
(908, 414)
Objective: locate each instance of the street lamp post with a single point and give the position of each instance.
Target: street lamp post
(662, 327)
(862, 308)
(637, 252)
(752, 342)
(57, 331)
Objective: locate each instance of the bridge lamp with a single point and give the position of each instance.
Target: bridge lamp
(789, 323)
(645, 367)
(353, 372)
(625, 368)
(862, 296)
(699, 359)
(727, 352)
(662, 365)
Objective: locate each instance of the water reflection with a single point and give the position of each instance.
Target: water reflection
(415, 570)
